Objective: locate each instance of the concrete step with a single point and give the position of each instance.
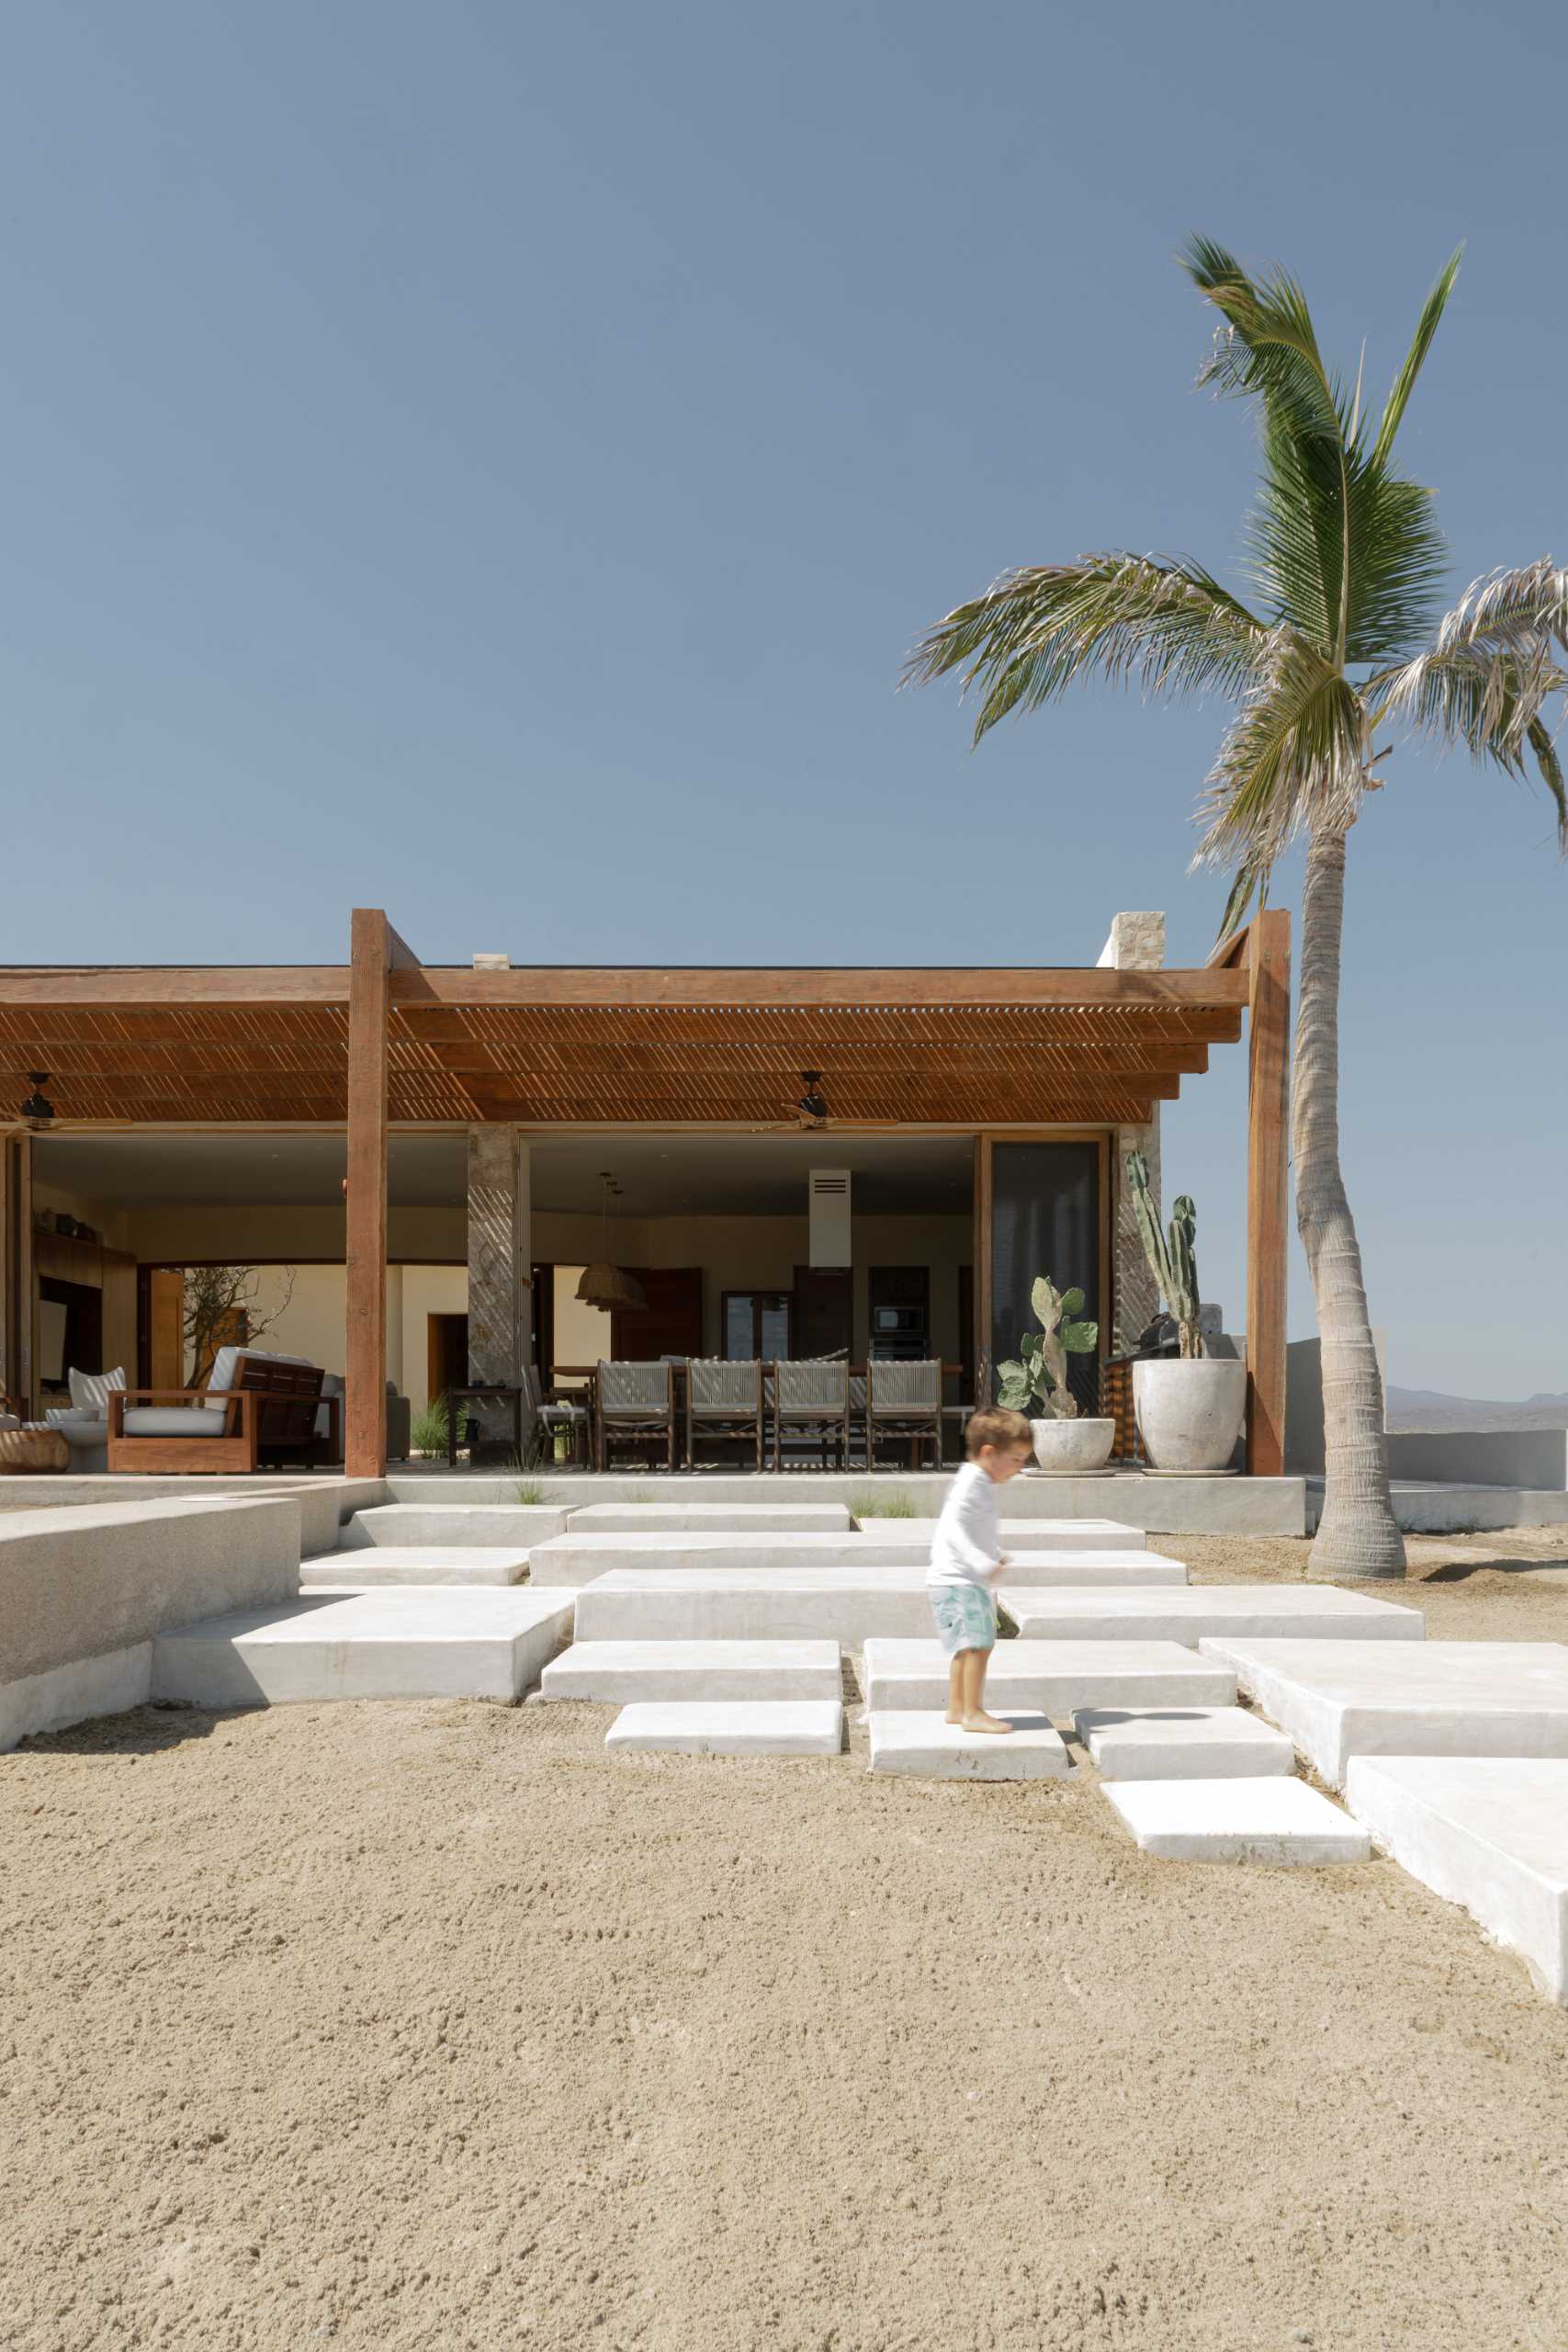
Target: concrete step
(1490, 1832)
(1041, 1534)
(1053, 1677)
(840, 1605)
(615, 1673)
(577, 1559)
(1338, 1700)
(717, 1727)
(401, 1524)
(407, 1645)
(1029, 1572)
(415, 1563)
(1268, 1820)
(1242, 1611)
(923, 1744)
(700, 1519)
(1182, 1743)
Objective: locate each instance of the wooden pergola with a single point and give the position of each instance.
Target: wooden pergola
(386, 1040)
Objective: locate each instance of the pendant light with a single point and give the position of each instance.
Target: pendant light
(603, 1283)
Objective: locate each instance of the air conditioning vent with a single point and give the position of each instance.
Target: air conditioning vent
(828, 1206)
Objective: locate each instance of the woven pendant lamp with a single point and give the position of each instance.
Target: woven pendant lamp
(603, 1283)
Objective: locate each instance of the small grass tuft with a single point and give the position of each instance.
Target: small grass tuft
(875, 1506)
(532, 1490)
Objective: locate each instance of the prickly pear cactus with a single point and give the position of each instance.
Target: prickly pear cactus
(1173, 1261)
(1038, 1374)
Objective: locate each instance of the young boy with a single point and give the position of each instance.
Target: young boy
(967, 1559)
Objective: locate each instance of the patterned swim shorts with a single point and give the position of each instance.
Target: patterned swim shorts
(966, 1617)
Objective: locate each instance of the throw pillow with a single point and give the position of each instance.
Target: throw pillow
(90, 1391)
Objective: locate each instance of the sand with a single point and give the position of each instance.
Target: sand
(435, 2027)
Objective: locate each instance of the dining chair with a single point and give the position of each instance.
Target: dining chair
(724, 1399)
(634, 1401)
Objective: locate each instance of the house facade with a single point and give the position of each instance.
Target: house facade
(417, 1163)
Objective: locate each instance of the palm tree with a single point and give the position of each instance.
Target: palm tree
(1339, 649)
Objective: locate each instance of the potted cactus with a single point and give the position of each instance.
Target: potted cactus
(1188, 1407)
(1065, 1445)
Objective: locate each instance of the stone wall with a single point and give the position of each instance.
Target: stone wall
(1136, 943)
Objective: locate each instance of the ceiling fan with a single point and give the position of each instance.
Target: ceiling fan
(36, 1114)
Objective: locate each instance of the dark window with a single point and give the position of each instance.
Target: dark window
(1045, 1213)
(757, 1323)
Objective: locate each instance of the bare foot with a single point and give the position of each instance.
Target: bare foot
(981, 1721)
(955, 1718)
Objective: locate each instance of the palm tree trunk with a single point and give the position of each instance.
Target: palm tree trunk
(1357, 1535)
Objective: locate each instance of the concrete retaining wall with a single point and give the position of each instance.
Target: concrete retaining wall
(1536, 1458)
(83, 1593)
(324, 1502)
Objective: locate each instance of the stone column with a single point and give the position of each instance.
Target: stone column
(499, 1300)
(1136, 943)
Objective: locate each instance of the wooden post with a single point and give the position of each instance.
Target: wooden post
(984, 1384)
(364, 1450)
(10, 1374)
(1268, 1187)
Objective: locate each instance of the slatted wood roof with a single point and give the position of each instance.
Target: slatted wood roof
(555, 1045)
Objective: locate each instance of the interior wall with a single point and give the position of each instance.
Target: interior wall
(108, 1223)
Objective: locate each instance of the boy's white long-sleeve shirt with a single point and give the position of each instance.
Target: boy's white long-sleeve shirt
(966, 1547)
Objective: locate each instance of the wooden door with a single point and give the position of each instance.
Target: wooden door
(166, 1327)
(824, 1310)
(672, 1322)
(447, 1355)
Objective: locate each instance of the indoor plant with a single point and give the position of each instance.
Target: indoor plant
(1189, 1407)
(1065, 1444)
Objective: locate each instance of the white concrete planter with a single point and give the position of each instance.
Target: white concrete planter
(1190, 1410)
(1068, 1449)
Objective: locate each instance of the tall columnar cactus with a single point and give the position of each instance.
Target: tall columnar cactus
(1039, 1371)
(1172, 1260)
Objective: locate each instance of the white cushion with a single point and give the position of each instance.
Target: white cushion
(9, 1421)
(172, 1420)
(90, 1391)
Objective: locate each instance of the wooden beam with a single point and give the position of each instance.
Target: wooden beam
(10, 1156)
(821, 985)
(365, 1454)
(110, 986)
(1267, 973)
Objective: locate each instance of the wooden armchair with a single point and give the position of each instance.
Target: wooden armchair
(268, 1406)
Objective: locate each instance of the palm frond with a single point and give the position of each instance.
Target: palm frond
(1252, 880)
(1298, 533)
(1163, 621)
(1495, 664)
(1405, 382)
(1293, 759)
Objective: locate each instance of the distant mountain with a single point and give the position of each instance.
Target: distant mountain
(1430, 1408)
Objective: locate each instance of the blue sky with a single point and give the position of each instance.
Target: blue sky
(491, 460)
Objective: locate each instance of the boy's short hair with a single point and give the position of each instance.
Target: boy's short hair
(995, 1425)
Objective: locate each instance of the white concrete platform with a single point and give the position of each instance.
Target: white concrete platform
(401, 1524)
(1040, 1535)
(1182, 1743)
(616, 1673)
(577, 1558)
(838, 1605)
(707, 1519)
(407, 1645)
(1243, 1611)
(923, 1744)
(1053, 1677)
(415, 1563)
(1489, 1832)
(1273, 1821)
(1102, 1571)
(1342, 1699)
(711, 1727)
